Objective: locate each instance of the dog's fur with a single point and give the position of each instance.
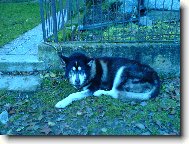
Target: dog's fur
(116, 77)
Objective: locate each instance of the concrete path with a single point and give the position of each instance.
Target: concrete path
(21, 55)
(26, 44)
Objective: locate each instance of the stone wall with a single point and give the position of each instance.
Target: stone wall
(164, 58)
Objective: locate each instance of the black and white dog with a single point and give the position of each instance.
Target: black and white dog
(116, 77)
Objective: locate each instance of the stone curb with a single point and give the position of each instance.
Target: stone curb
(20, 83)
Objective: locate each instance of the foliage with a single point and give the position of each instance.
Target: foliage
(159, 31)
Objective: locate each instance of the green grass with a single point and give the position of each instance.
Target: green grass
(17, 18)
(95, 113)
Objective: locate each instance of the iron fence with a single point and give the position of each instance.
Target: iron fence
(111, 20)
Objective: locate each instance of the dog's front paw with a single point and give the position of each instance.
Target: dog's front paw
(98, 93)
(62, 103)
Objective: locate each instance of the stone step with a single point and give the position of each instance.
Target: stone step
(11, 63)
(18, 72)
(20, 83)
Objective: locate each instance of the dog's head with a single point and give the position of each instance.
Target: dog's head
(78, 69)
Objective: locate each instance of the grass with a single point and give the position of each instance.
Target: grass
(16, 19)
(100, 116)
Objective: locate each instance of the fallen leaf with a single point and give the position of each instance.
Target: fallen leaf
(32, 126)
(46, 75)
(46, 130)
(53, 75)
(61, 118)
(7, 106)
(163, 132)
(19, 129)
(51, 123)
(79, 113)
(172, 112)
(12, 111)
(140, 126)
(146, 133)
(143, 103)
(133, 103)
(34, 106)
(41, 76)
(4, 117)
(40, 117)
(57, 132)
(159, 123)
(9, 132)
(104, 130)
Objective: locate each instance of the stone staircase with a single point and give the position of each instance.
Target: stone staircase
(20, 72)
(19, 63)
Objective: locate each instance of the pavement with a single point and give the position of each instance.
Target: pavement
(21, 55)
(26, 44)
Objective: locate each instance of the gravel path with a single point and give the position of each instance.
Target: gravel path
(26, 44)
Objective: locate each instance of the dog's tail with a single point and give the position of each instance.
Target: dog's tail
(155, 82)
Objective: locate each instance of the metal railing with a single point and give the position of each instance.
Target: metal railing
(111, 20)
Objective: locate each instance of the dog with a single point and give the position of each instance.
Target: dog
(113, 76)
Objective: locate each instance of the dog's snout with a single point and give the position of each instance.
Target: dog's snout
(77, 81)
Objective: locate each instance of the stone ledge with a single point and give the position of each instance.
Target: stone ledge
(19, 83)
(164, 58)
(10, 63)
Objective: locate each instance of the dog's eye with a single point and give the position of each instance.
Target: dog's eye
(79, 68)
(73, 68)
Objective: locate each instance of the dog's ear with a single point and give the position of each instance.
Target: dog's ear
(90, 62)
(64, 59)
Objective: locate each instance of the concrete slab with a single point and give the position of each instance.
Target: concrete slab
(18, 58)
(19, 83)
(10, 63)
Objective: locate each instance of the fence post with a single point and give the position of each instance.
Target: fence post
(42, 19)
(53, 6)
